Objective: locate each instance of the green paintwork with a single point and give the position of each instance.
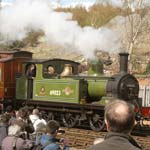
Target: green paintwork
(54, 89)
(97, 88)
(39, 69)
(58, 90)
(21, 87)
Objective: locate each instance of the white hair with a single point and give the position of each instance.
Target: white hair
(14, 130)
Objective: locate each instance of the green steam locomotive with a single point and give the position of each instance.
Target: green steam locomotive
(56, 87)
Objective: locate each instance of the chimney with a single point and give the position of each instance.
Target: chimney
(123, 62)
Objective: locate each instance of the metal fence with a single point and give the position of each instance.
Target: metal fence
(144, 93)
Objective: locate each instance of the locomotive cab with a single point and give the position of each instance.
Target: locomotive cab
(50, 85)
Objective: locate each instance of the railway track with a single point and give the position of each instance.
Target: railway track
(82, 139)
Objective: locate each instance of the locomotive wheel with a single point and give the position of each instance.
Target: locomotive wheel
(69, 120)
(96, 122)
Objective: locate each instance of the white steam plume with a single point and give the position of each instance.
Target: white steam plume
(23, 16)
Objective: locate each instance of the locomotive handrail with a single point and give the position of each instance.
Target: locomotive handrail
(87, 77)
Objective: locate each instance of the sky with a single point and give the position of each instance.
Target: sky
(62, 1)
(7, 1)
(75, 2)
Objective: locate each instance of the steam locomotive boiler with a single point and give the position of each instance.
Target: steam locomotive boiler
(58, 89)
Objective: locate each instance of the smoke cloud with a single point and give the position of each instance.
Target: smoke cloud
(23, 16)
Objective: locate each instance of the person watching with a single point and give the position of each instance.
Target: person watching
(49, 140)
(120, 120)
(31, 71)
(50, 70)
(30, 74)
(35, 119)
(14, 139)
(4, 119)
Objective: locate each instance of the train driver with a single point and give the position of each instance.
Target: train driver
(50, 70)
(31, 71)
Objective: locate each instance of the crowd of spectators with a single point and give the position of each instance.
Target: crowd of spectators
(22, 130)
(25, 130)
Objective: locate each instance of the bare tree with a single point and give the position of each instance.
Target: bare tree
(136, 23)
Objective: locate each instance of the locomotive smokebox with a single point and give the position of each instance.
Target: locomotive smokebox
(123, 62)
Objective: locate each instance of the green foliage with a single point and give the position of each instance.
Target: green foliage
(13, 45)
(97, 15)
(30, 40)
(80, 14)
(100, 15)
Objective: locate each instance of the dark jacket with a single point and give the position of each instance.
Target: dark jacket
(116, 141)
(3, 131)
(20, 144)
